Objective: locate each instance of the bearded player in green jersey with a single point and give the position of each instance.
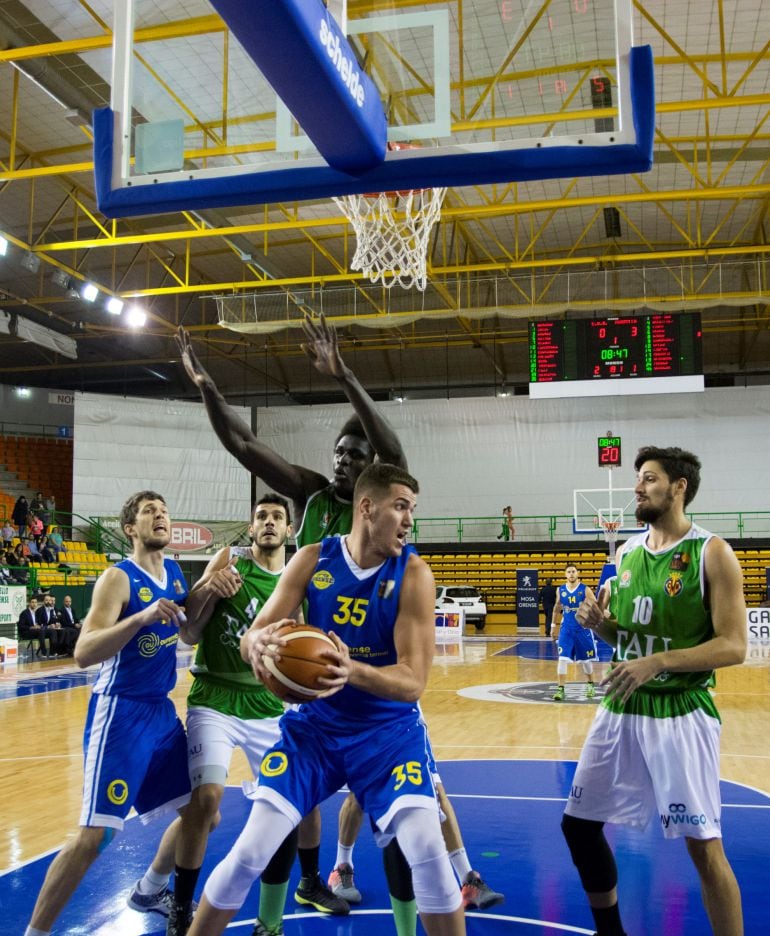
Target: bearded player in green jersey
(674, 613)
(227, 706)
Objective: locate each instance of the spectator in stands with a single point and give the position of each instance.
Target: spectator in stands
(36, 505)
(47, 552)
(508, 531)
(36, 527)
(20, 564)
(6, 575)
(19, 515)
(28, 627)
(8, 532)
(56, 542)
(33, 551)
(49, 510)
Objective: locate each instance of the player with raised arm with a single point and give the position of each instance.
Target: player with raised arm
(323, 507)
(375, 596)
(674, 613)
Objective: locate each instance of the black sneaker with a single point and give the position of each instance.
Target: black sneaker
(313, 892)
(179, 919)
(477, 894)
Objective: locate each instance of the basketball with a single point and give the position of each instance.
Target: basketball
(293, 678)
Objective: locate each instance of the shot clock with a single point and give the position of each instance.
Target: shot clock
(609, 451)
(616, 355)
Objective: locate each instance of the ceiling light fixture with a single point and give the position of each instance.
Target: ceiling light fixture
(89, 292)
(3, 246)
(114, 305)
(136, 317)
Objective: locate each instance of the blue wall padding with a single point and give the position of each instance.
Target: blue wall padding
(332, 98)
(430, 170)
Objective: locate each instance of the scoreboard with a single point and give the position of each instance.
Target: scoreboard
(616, 355)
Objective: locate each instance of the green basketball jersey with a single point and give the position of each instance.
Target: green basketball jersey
(657, 599)
(222, 680)
(325, 515)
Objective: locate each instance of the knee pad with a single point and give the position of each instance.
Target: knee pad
(591, 854)
(231, 880)
(419, 834)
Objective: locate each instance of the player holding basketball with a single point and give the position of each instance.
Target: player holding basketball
(674, 614)
(135, 745)
(227, 707)
(573, 642)
(325, 508)
(376, 597)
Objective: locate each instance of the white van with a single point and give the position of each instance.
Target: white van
(470, 599)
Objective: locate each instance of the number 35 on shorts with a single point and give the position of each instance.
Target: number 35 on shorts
(410, 772)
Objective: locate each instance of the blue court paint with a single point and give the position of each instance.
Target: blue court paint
(509, 812)
(546, 650)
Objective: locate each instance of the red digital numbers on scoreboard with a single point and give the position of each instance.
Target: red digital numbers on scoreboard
(609, 451)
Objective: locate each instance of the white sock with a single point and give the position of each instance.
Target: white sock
(31, 931)
(344, 854)
(460, 863)
(152, 882)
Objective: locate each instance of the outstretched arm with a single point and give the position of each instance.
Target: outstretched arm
(323, 350)
(291, 481)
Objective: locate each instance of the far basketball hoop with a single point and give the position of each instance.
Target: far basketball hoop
(393, 232)
(610, 528)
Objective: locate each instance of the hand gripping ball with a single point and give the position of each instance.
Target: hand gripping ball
(294, 677)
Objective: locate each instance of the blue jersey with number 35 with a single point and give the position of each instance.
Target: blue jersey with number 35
(361, 607)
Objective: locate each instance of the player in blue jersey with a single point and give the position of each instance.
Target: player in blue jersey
(375, 596)
(135, 750)
(573, 642)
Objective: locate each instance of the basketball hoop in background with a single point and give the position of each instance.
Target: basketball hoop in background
(393, 232)
(610, 529)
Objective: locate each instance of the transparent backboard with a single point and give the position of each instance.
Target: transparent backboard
(484, 90)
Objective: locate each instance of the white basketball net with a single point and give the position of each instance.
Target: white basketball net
(392, 233)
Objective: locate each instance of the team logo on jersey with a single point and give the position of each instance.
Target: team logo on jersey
(117, 792)
(674, 585)
(145, 594)
(322, 579)
(326, 520)
(178, 587)
(680, 562)
(386, 588)
(273, 764)
(149, 644)
(624, 581)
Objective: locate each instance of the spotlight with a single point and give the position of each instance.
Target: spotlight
(136, 317)
(114, 305)
(89, 292)
(23, 392)
(30, 262)
(3, 246)
(60, 278)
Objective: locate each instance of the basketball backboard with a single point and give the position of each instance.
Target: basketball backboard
(484, 90)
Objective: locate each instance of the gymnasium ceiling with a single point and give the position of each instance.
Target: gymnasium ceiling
(694, 230)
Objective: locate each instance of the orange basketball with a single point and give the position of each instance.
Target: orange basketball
(294, 677)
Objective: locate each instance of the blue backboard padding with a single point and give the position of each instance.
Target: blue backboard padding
(431, 170)
(329, 94)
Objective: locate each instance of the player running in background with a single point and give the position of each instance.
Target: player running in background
(573, 642)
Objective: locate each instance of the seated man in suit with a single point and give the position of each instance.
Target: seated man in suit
(69, 617)
(29, 628)
(49, 618)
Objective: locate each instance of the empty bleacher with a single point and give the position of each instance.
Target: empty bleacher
(36, 463)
